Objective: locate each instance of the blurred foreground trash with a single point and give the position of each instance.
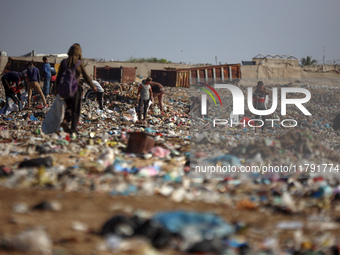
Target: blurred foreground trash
(293, 212)
(33, 240)
(106, 158)
(160, 152)
(199, 232)
(37, 162)
(47, 206)
(5, 171)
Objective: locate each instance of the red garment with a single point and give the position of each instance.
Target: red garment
(54, 78)
(259, 100)
(247, 121)
(16, 90)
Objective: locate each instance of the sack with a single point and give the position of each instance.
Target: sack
(54, 116)
(68, 84)
(53, 71)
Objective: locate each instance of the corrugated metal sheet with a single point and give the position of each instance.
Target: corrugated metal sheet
(165, 77)
(115, 74)
(248, 63)
(183, 79)
(128, 75)
(208, 74)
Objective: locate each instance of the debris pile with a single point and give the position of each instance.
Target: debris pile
(116, 155)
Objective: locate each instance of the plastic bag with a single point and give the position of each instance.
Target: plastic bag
(194, 226)
(11, 108)
(266, 100)
(234, 118)
(54, 116)
(133, 114)
(160, 152)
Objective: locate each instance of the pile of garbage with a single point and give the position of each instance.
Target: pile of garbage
(116, 155)
(324, 105)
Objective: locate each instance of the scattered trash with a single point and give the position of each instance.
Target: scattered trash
(20, 208)
(290, 225)
(48, 206)
(37, 162)
(79, 226)
(160, 152)
(33, 240)
(115, 154)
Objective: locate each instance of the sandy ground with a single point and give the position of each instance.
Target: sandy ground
(96, 208)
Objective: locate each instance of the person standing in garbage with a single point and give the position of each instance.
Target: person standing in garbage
(73, 104)
(9, 79)
(25, 78)
(259, 102)
(195, 107)
(145, 92)
(195, 103)
(158, 91)
(46, 77)
(33, 76)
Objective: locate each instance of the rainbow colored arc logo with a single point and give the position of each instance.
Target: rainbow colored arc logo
(209, 93)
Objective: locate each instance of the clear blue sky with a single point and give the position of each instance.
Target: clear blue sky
(178, 30)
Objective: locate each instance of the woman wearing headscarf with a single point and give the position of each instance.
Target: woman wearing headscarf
(73, 104)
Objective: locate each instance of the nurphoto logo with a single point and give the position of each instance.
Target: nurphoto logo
(239, 106)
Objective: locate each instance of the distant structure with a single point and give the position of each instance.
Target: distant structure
(330, 62)
(34, 54)
(30, 54)
(271, 58)
(260, 58)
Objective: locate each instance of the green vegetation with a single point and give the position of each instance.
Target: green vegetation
(308, 61)
(152, 60)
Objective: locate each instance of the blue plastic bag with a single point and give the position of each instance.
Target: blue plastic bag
(207, 225)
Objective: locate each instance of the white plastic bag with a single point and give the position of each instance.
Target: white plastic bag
(266, 100)
(133, 114)
(12, 107)
(54, 116)
(234, 118)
